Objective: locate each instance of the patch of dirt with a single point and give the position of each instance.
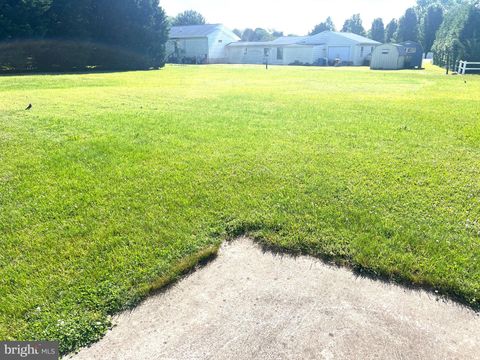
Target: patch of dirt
(248, 304)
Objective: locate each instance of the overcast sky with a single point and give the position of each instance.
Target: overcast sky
(294, 16)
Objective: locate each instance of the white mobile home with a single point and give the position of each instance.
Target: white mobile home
(200, 44)
(325, 48)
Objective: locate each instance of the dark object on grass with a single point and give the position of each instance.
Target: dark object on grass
(29, 107)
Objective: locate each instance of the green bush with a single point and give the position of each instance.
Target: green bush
(58, 56)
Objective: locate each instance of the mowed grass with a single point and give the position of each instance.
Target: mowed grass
(114, 184)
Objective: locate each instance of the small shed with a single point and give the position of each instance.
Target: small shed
(407, 55)
(414, 53)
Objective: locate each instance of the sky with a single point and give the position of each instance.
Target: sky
(292, 17)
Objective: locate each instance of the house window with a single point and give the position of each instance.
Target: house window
(279, 53)
(266, 51)
(371, 50)
(410, 50)
(246, 51)
(385, 52)
(220, 41)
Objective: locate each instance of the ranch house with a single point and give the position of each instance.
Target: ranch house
(199, 44)
(326, 48)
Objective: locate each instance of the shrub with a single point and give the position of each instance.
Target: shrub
(58, 56)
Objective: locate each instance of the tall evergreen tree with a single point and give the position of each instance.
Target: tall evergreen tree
(71, 19)
(327, 25)
(459, 35)
(408, 27)
(377, 32)
(354, 25)
(22, 19)
(423, 5)
(137, 25)
(391, 30)
(431, 23)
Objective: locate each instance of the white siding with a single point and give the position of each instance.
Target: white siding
(319, 52)
(247, 54)
(303, 54)
(170, 47)
(217, 42)
(253, 54)
(344, 53)
(235, 55)
(360, 56)
(307, 50)
(387, 57)
(189, 48)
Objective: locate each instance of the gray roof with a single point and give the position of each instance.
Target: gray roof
(324, 37)
(357, 38)
(193, 30)
(318, 39)
(402, 50)
(289, 40)
(250, 43)
(286, 40)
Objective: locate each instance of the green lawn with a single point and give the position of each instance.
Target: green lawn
(113, 184)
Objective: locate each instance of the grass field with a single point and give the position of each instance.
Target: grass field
(113, 184)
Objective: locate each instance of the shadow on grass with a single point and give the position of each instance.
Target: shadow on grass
(441, 293)
(8, 73)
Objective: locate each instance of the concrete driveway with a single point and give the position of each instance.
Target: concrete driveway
(248, 304)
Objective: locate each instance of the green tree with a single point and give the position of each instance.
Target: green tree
(408, 27)
(423, 5)
(377, 31)
(327, 25)
(277, 34)
(262, 35)
(237, 32)
(110, 33)
(459, 35)
(189, 17)
(138, 25)
(248, 34)
(22, 19)
(70, 19)
(391, 30)
(258, 34)
(354, 25)
(431, 23)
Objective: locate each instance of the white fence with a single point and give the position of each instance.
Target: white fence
(463, 67)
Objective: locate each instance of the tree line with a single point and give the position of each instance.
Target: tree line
(59, 35)
(450, 28)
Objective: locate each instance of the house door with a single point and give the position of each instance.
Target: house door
(339, 52)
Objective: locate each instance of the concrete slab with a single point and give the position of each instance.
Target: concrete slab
(248, 304)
